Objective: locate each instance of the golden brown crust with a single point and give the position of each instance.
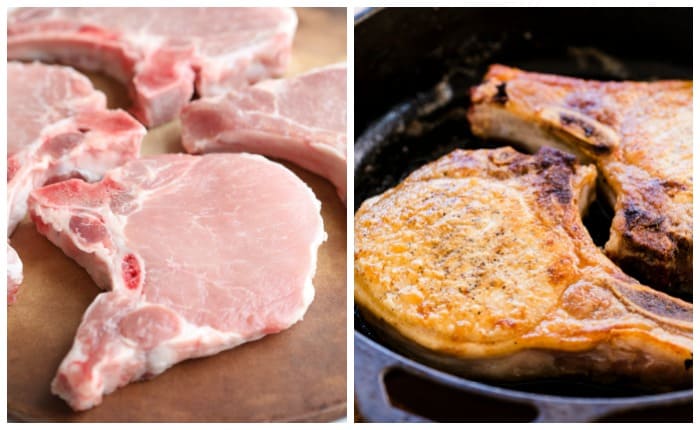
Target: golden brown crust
(482, 256)
(640, 137)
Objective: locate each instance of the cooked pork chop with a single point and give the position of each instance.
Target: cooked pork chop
(300, 119)
(199, 254)
(161, 54)
(640, 137)
(58, 128)
(481, 259)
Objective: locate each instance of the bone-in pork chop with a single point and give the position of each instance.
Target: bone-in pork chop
(300, 119)
(58, 127)
(640, 137)
(481, 259)
(161, 54)
(198, 253)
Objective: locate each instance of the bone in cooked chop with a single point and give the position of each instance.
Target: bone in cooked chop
(301, 119)
(481, 258)
(638, 134)
(59, 128)
(161, 54)
(198, 253)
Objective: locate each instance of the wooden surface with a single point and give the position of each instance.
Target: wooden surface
(296, 375)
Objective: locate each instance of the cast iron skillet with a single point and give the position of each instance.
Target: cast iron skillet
(413, 69)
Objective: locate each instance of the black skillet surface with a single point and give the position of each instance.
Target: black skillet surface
(413, 69)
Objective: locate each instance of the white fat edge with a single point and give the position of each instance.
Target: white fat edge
(120, 355)
(291, 25)
(160, 359)
(330, 150)
(14, 265)
(294, 130)
(309, 292)
(17, 196)
(321, 236)
(271, 84)
(211, 341)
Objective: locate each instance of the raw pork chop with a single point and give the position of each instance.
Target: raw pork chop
(14, 274)
(301, 119)
(58, 127)
(160, 54)
(481, 259)
(199, 254)
(639, 134)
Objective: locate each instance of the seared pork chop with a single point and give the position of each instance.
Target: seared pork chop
(481, 259)
(638, 134)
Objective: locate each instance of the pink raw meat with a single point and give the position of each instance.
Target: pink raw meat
(199, 254)
(58, 127)
(14, 274)
(300, 119)
(159, 53)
